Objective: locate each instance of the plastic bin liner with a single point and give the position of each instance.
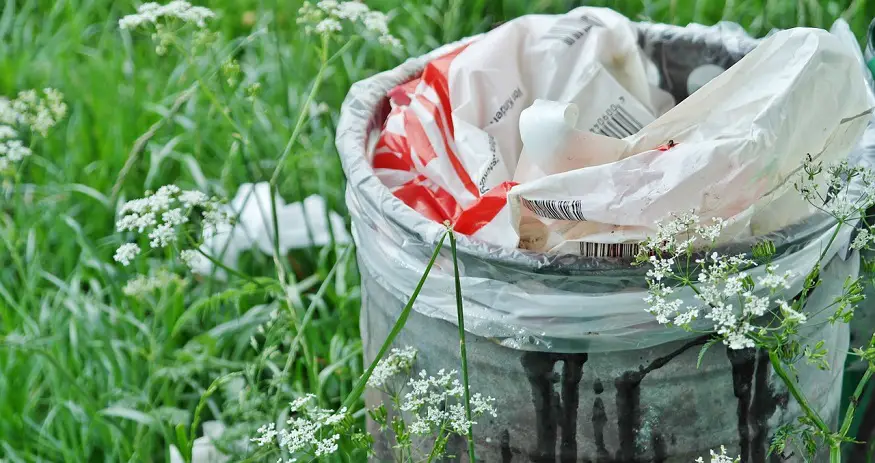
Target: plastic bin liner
(536, 301)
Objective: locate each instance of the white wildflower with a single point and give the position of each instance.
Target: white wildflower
(7, 132)
(328, 25)
(774, 281)
(8, 114)
(126, 253)
(389, 41)
(30, 110)
(163, 211)
(55, 102)
(663, 308)
(721, 457)
(842, 207)
(723, 286)
(438, 400)
(737, 340)
(192, 259)
(151, 13)
(311, 432)
(300, 402)
(734, 284)
(790, 314)
(329, 6)
(862, 240)
(667, 232)
(213, 218)
(327, 446)
(14, 150)
(398, 361)
(661, 268)
(686, 318)
(483, 405)
(711, 232)
(350, 10)
(143, 285)
(327, 18)
(174, 217)
(755, 306)
(192, 198)
(40, 113)
(162, 236)
(376, 22)
(267, 435)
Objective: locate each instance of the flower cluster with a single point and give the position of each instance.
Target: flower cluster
(151, 13)
(437, 403)
(311, 430)
(680, 234)
(327, 17)
(863, 239)
(160, 215)
(30, 109)
(834, 195)
(721, 457)
(722, 286)
(143, 285)
(397, 362)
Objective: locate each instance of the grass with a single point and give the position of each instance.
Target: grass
(88, 374)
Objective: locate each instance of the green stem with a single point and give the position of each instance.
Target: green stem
(832, 238)
(434, 449)
(196, 419)
(222, 109)
(308, 315)
(224, 267)
(460, 315)
(855, 399)
(274, 178)
(835, 452)
(402, 320)
(797, 394)
(302, 116)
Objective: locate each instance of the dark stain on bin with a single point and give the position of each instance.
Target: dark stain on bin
(742, 362)
(629, 402)
(599, 420)
(553, 411)
(757, 402)
(506, 454)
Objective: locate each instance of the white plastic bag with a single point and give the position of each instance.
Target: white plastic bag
(550, 133)
(301, 225)
(736, 143)
(451, 144)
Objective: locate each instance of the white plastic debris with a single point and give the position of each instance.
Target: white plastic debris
(203, 449)
(556, 134)
(301, 225)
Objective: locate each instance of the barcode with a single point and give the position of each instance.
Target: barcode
(558, 209)
(570, 30)
(616, 123)
(608, 249)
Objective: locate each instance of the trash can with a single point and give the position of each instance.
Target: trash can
(580, 371)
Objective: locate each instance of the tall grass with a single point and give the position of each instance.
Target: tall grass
(87, 374)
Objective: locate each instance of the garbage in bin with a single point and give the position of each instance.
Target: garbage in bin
(563, 115)
(580, 370)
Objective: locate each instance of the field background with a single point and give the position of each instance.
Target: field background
(87, 374)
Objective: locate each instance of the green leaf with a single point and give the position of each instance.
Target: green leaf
(704, 349)
(182, 442)
(130, 414)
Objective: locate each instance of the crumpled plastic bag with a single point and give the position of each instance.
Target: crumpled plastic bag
(551, 133)
(298, 223)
